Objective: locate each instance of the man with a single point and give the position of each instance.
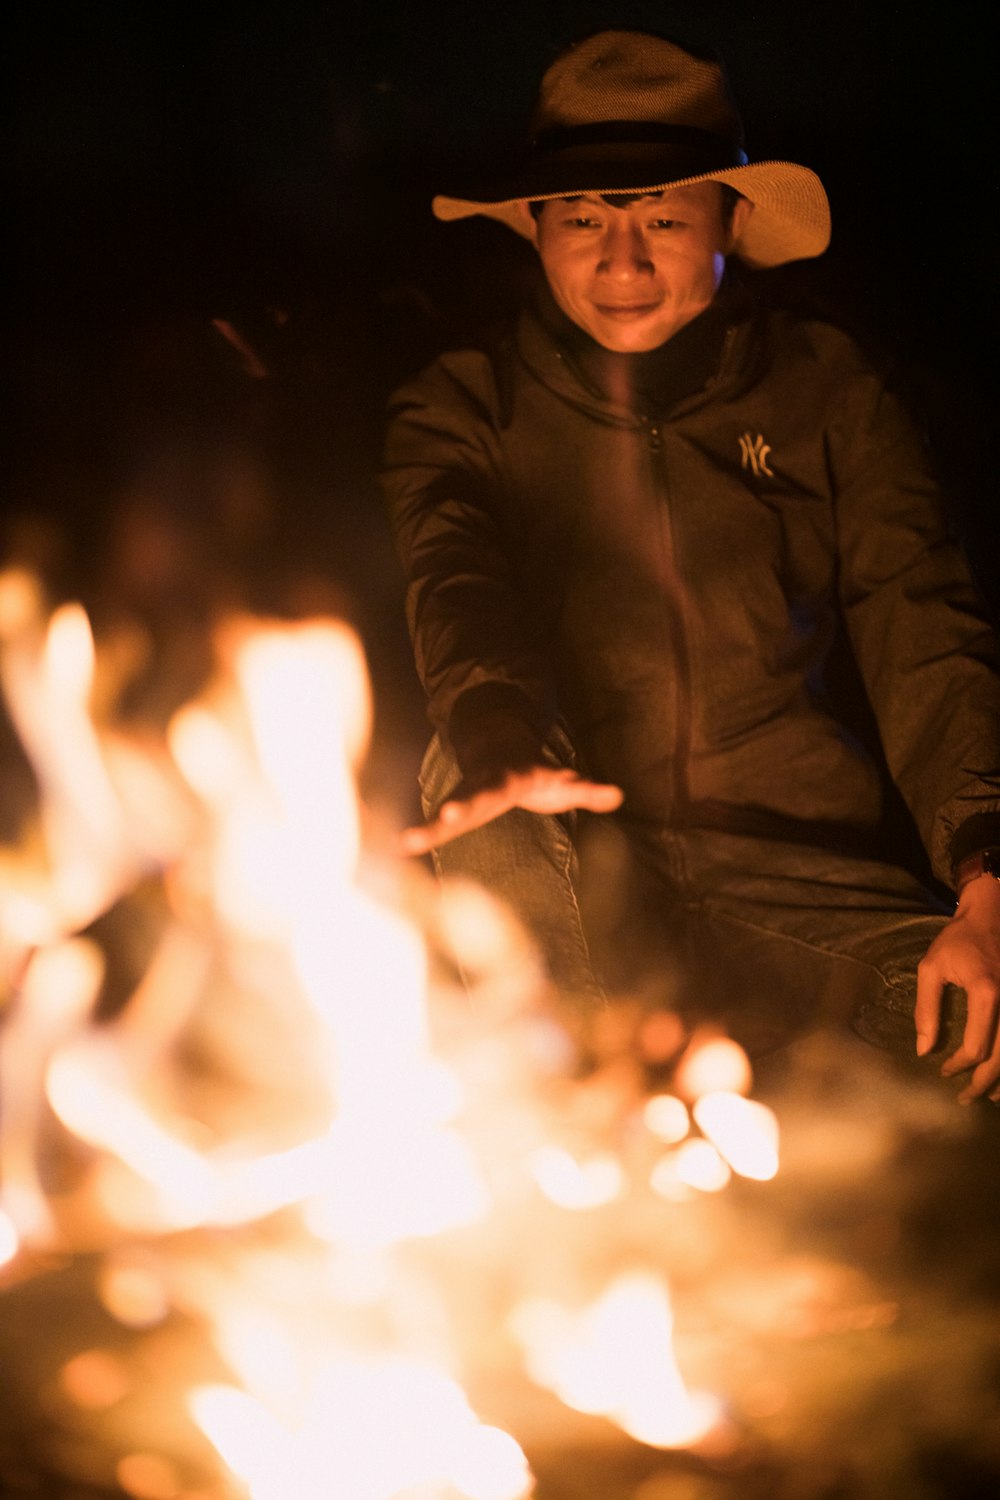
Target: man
(632, 530)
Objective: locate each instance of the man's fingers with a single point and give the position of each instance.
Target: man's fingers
(552, 791)
(428, 836)
(980, 1039)
(419, 840)
(985, 1080)
(543, 789)
(453, 819)
(927, 1012)
(599, 796)
(966, 953)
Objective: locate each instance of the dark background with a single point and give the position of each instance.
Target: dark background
(271, 166)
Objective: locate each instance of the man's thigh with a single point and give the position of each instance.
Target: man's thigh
(787, 937)
(771, 938)
(527, 861)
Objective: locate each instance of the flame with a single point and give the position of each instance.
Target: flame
(68, 657)
(46, 673)
(284, 974)
(272, 751)
(374, 1429)
(274, 762)
(88, 1093)
(9, 1240)
(615, 1359)
(107, 812)
(58, 989)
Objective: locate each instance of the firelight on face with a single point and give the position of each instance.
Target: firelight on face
(632, 275)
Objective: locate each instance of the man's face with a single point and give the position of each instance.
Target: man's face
(632, 276)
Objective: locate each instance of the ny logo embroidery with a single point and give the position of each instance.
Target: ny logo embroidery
(753, 454)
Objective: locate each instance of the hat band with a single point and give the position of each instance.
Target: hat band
(712, 152)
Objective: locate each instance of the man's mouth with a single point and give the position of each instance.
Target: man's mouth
(626, 312)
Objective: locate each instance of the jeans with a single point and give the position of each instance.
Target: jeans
(772, 939)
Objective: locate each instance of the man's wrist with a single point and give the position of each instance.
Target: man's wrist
(493, 729)
(498, 745)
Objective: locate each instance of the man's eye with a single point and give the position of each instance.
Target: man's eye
(580, 221)
(666, 224)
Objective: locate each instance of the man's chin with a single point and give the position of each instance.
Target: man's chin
(631, 340)
(630, 331)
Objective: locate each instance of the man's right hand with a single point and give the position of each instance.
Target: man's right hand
(537, 788)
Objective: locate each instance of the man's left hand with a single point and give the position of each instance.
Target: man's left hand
(967, 953)
(540, 789)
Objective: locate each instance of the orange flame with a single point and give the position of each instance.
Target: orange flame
(401, 1427)
(372, 1147)
(615, 1359)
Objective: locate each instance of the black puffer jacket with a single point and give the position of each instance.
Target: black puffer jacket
(670, 582)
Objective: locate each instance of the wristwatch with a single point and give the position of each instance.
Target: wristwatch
(986, 862)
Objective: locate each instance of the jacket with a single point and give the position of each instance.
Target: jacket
(669, 581)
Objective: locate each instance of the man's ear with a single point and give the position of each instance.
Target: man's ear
(527, 223)
(742, 209)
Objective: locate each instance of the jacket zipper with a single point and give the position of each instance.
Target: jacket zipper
(676, 636)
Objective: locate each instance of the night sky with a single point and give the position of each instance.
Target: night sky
(219, 153)
(272, 166)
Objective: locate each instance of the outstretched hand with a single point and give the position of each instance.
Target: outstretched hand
(537, 789)
(967, 953)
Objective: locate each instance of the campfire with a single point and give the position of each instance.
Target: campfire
(331, 1199)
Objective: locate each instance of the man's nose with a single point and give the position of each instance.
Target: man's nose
(624, 252)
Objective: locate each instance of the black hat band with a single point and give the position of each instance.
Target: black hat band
(707, 152)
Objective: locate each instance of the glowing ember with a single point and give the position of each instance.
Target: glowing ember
(710, 1064)
(131, 1286)
(147, 1476)
(667, 1118)
(695, 1164)
(94, 1379)
(573, 1184)
(744, 1131)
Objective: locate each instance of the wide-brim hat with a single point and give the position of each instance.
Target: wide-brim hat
(627, 112)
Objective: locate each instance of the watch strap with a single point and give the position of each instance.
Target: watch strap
(985, 862)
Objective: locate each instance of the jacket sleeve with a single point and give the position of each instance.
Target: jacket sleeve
(922, 635)
(456, 533)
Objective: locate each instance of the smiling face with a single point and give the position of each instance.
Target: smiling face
(632, 275)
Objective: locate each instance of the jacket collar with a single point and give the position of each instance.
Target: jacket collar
(629, 388)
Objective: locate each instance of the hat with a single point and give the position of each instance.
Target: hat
(626, 112)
